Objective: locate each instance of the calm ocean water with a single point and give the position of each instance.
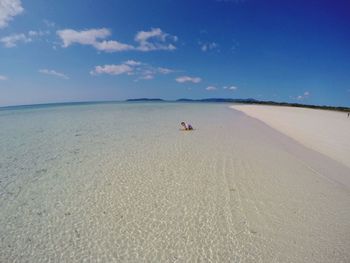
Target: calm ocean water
(119, 182)
(76, 178)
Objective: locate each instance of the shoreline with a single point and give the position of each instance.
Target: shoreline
(327, 132)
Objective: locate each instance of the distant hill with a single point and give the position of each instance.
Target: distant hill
(322, 107)
(145, 99)
(251, 101)
(218, 100)
(254, 101)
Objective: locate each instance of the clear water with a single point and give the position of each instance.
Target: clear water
(119, 182)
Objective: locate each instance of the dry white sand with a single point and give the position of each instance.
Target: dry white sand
(327, 132)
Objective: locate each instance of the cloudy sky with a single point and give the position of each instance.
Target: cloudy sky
(84, 50)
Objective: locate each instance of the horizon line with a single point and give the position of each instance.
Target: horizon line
(160, 100)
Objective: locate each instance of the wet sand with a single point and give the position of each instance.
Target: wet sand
(139, 190)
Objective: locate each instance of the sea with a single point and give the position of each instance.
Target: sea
(107, 181)
(121, 182)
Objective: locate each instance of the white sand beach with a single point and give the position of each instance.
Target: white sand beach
(327, 132)
(121, 183)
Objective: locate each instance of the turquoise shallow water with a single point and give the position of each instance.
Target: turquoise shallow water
(58, 165)
(119, 182)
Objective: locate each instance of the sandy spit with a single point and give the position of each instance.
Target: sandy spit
(327, 132)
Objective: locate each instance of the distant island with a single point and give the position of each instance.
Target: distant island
(184, 100)
(245, 101)
(144, 99)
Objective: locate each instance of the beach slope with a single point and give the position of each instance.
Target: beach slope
(327, 132)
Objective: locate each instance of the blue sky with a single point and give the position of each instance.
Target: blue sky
(83, 50)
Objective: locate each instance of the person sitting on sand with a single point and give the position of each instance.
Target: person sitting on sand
(186, 126)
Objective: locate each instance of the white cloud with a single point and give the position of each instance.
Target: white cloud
(112, 70)
(49, 23)
(93, 38)
(9, 9)
(230, 87)
(143, 36)
(147, 77)
(208, 46)
(2, 77)
(148, 72)
(211, 88)
(112, 46)
(155, 39)
(141, 70)
(184, 79)
(12, 40)
(85, 37)
(33, 33)
(133, 63)
(165, 70)
(304, 96)
(152, 40)
(53, 73)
